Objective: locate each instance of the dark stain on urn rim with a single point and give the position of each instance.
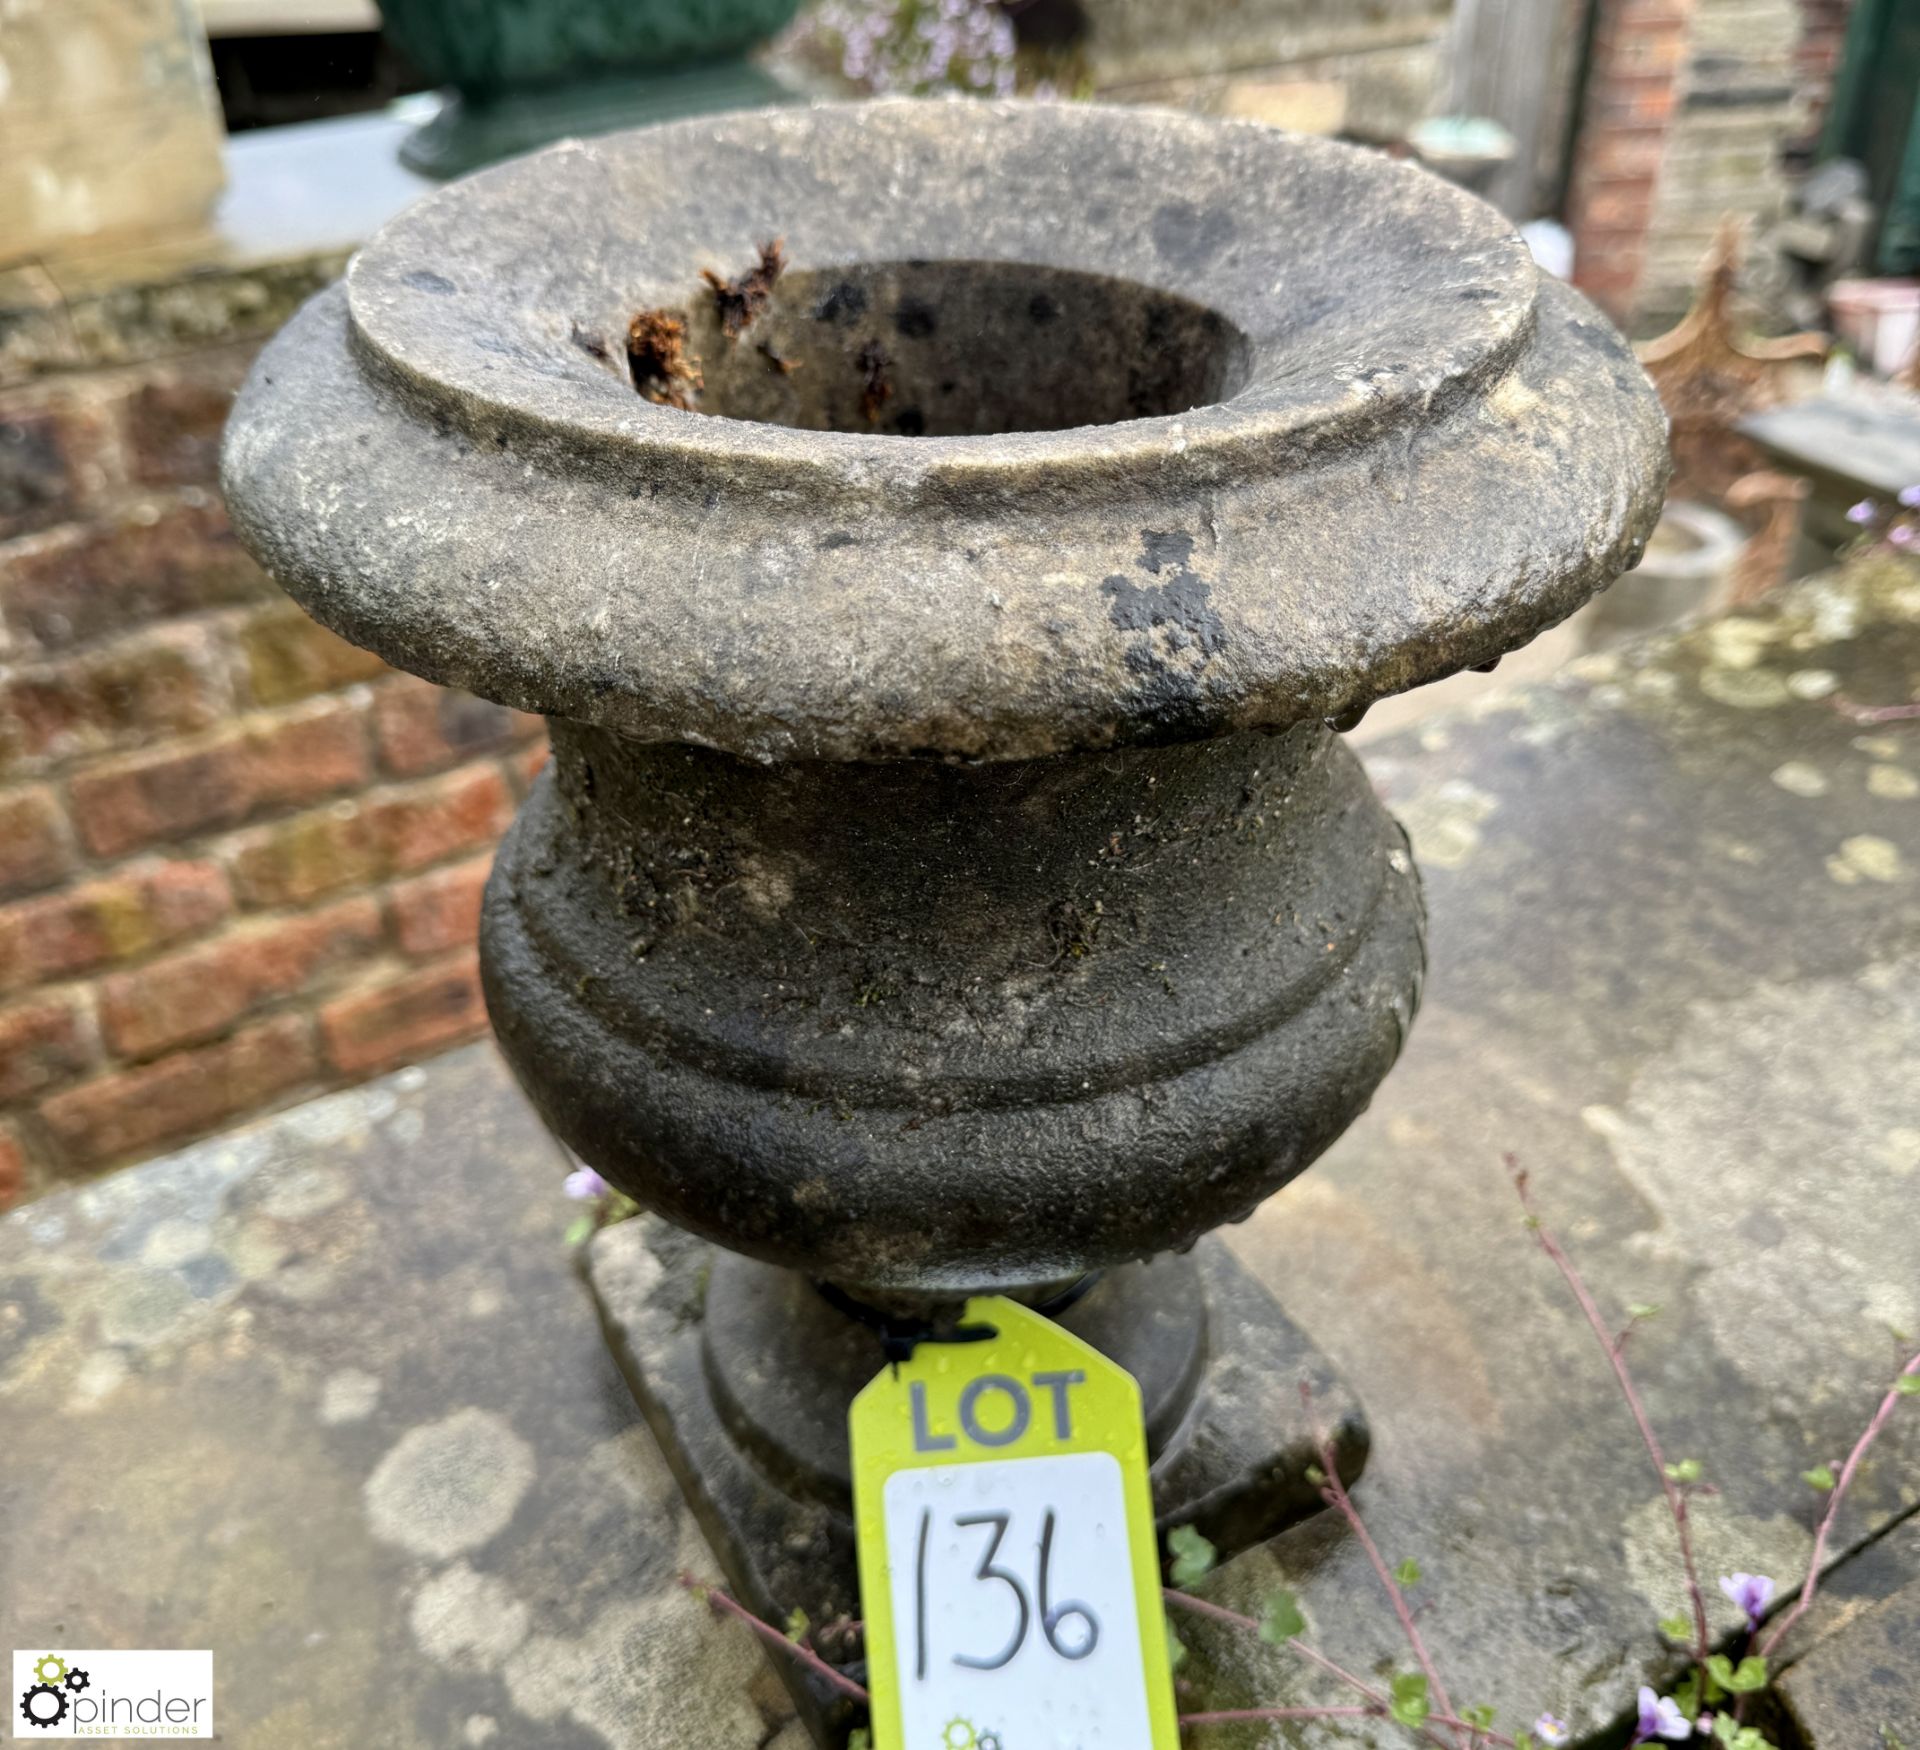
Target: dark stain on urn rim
(1163, 552)
(1190, 235)
(1182, 607)
(1180, 631)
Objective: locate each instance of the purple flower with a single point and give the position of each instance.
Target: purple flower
(1910, 497)
(1901, 534)
(1751, 1592)
(1863, 512)
(1660, 1717)
(1551, 1731)
(584, 1185)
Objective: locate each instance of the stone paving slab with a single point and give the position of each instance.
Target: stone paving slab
(1675, 910)
(326, 1395)
(1862, 1685)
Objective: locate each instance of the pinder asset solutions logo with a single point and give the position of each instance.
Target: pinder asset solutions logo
(108, 1693)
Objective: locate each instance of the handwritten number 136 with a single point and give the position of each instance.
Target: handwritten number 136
(1051, 1615)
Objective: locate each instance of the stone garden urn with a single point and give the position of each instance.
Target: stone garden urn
(944, 539)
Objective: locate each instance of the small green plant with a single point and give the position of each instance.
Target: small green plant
(605, 1205)
(1193, 1555)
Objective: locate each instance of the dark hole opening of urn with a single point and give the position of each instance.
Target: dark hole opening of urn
(958, 349)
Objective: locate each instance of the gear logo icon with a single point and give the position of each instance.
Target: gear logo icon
(988, 1741)
(44, 1706)
(44, 1701)
(959, 1735)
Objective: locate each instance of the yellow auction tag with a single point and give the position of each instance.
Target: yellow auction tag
(1009, 1574)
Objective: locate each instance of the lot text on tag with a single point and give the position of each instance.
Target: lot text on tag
(1009, 1574)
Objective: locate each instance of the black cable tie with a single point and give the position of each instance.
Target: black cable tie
(900, 1336)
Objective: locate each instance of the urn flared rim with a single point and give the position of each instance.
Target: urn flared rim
(1410, 452)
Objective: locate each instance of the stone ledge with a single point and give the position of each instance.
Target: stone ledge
(298, 201)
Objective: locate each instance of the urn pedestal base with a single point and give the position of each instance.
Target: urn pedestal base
(708, 1340)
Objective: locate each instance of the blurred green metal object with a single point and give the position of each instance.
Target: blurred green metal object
(525, 72)
(1874, 116)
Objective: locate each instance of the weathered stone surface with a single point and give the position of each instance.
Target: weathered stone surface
(1686, 995)
(1859, 1686)
(917, 1027)
(1852, 1587)
(1679, 988)
(283, 1396)
(1248, 429)
(765, 949)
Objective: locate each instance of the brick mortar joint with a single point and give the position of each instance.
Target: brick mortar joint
(382, 961)
(240, 920)
(213, 844)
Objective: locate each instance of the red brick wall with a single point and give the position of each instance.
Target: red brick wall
(1633, 83)
(240, 860)
(1692, 110)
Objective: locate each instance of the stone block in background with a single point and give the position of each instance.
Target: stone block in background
(1374, 93)
(1310, 66)
(1301, 106)
(1128, 40)
(1687, 115)
(109, 127)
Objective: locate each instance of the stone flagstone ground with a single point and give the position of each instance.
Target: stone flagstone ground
(325, 1395)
